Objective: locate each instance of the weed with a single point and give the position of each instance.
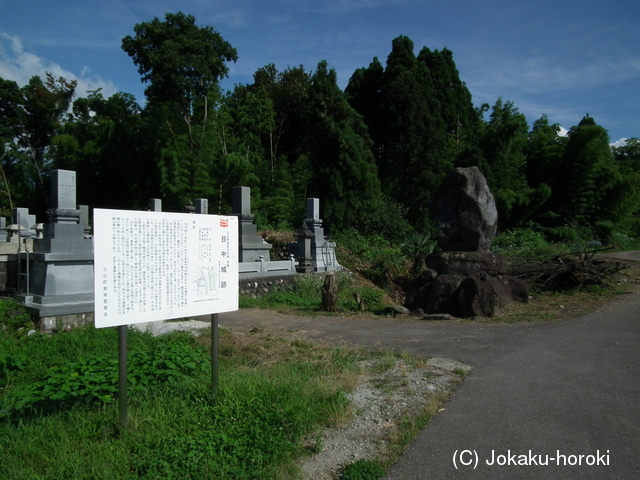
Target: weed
(177, 430)
(13, 317)
(362, 469)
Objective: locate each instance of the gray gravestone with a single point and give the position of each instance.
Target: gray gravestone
(3, 230)
(63, 189)
(313, 208)
(155, 205)
(84, 218)
(242, 200)
(202, 206)
(61, 265)
(251, 245)
(22, 217)
(312, 247)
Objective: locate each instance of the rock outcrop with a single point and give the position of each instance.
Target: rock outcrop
(465, 211)
(465, 279)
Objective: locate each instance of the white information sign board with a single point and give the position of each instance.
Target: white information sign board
(151, 266)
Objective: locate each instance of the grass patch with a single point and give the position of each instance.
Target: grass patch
(304, 295)
(273, 392)
(411, 426)
(548, 306)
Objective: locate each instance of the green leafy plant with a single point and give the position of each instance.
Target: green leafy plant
(415, 247)
(95, 378)
(10, 363)
(14, 316)
(520, 241)
(362, 469)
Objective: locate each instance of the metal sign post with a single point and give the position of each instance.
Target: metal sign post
(215, 369)
(122, 374)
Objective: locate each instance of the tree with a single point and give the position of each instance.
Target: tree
(181, 61)
(32, 116)
(344, 174)
(627, 158)
(365, 94)
(504, 143)
(590, 194)
(462, 121)
(11, 116)
(544, 151)
(415, 143)
(183, 64)
(104, 142)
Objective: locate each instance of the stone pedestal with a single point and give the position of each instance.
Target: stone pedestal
(465, 284)
(251, 245)
(59, 278)
(321, 253)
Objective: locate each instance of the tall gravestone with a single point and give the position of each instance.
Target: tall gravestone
(60, 268)
(312, 249)
(155, 205)
(251, 245)
(202, 206)
(323, 252)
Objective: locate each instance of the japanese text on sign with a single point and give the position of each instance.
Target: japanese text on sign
(157, 266)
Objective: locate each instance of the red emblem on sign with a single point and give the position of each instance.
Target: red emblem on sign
(224, 223)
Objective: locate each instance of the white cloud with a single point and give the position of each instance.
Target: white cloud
(20, 66)
(620, 143)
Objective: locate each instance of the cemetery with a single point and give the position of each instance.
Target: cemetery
(174, 422)
(49, 267)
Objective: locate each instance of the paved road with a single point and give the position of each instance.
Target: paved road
(536, 390)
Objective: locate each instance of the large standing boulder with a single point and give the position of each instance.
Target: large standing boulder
(465, 211)
(465, 279)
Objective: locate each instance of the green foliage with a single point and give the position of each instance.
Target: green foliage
(344, 175)
(620, 241)
(415, 248)
(305, 294)
(362, 470)
(13, 316)
(519, 241)
(375, 257)
(95, 379)
(179, 60)
(10, 363)
(273, 393)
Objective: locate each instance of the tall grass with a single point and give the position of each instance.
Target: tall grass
(272, 393)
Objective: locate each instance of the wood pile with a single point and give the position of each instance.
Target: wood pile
(569, 271)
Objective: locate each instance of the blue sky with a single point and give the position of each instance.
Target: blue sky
(562, 58)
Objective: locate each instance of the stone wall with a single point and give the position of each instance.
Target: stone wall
(256, 287)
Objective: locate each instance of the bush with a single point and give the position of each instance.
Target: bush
(95, 379)
(14, 316)
(362, 470)
(620, 241)
(374, 257)
(305, 293)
